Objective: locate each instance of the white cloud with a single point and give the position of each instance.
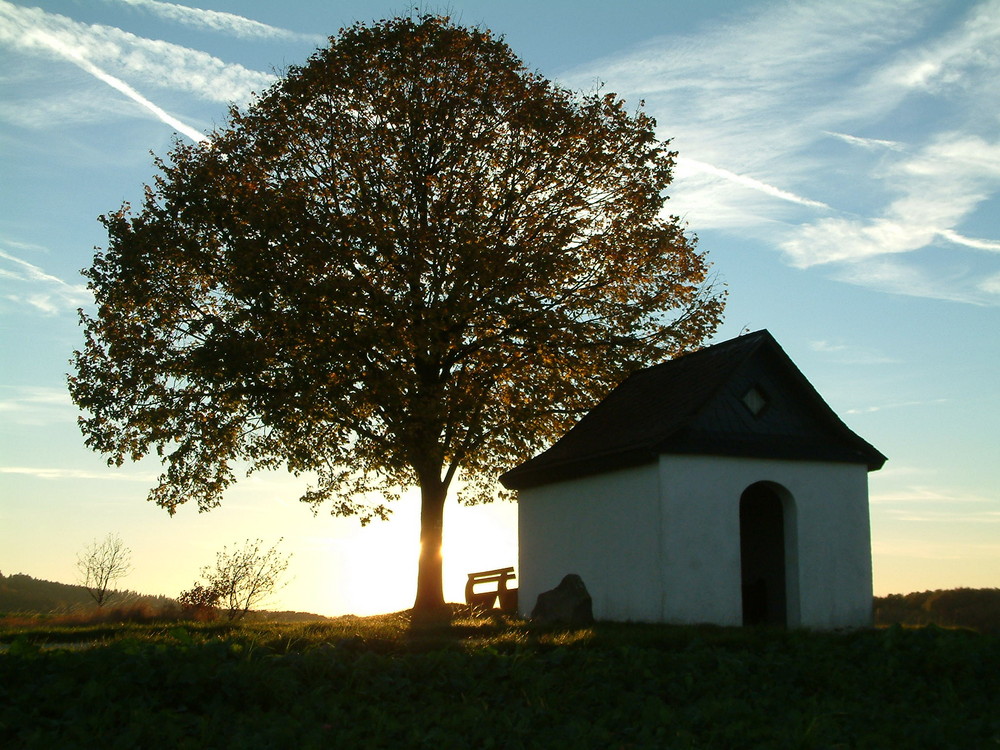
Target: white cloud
(729, 96)
(151, 62)
(939, 187)
(991, 284)
(31, 286)
(898, 405)
(948, 62)
(41, 472)
(43, 110)
(35, 405)
(925, 550)
(867, 143)
(896, 277)
(752, 105)
(920, 494)
(958, 239)
(29, 396)
(213, 20)
(940, 516)
(685, 165)
(118, 84)
(852, 355)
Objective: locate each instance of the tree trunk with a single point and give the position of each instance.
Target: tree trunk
(430, 588)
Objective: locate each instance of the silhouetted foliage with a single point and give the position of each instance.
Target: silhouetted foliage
(200, 602)
(101, 564)
(239, 580)
(978, 609)
(412, 256)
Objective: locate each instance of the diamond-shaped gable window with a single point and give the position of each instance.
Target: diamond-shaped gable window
(755, 401)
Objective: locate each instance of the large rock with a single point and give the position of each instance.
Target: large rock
(566, 604)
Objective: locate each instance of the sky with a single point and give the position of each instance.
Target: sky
(838, 162)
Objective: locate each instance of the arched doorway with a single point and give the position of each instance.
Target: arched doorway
(762, 556)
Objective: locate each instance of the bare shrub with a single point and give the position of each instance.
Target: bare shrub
(241, 579)
(101, 564)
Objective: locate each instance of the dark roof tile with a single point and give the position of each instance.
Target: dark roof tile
(674, 407)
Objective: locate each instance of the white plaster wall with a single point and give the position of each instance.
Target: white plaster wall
(604, 528)
(828, 542)
(700, 538)
(661, 542)
(835, 562)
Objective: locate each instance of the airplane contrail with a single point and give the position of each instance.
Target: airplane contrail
(116, 83)
(749, 182)
(214, 20)
(978, 244)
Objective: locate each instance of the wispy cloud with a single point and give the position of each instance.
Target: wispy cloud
(42, 472)
(991, 284)
(961, 57)
(118, 84)
(213, 20)
(32, 287)
(935, 550)
(756, 107)
(939, 187)
(136, 59)
(867, 143)
(730, 97)
(685, 165)
(897, 405)
(943, 516)
(851, 355)
(896, 276)
(958, 239)
(921, 494)
(35, 405)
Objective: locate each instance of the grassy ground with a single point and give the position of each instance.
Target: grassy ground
(494, 682)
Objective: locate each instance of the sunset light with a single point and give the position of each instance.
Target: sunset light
(838, 165)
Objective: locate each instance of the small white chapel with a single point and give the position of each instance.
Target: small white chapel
(718, 487)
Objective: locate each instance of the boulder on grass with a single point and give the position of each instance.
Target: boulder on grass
(569, 603)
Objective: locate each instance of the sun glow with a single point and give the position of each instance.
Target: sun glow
(376, 567)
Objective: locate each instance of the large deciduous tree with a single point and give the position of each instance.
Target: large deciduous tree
(410, 256)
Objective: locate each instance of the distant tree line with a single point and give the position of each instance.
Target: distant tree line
(241, 579)
(978, 609)
(22, 593)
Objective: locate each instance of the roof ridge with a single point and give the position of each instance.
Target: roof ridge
(654, 408)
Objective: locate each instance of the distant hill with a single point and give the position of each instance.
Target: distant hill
(21, 594)
(978, 609)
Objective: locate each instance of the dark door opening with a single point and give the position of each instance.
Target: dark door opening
(762, 556)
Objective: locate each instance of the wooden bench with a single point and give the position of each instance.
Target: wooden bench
(487, 599)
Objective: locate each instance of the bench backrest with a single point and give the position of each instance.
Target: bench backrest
(500, 576)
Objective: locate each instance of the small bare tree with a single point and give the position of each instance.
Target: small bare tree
(101, 564)
(245, 576)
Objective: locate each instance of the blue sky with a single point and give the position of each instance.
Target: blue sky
(839, 162)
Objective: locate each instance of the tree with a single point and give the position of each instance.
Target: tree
(239, 580)
(101, 564)
(410, 257)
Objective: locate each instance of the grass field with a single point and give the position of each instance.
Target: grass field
(494, 682)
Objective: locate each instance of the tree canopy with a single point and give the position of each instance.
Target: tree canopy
(411, 256)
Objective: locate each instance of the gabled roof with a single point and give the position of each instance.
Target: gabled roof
(695, 405)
